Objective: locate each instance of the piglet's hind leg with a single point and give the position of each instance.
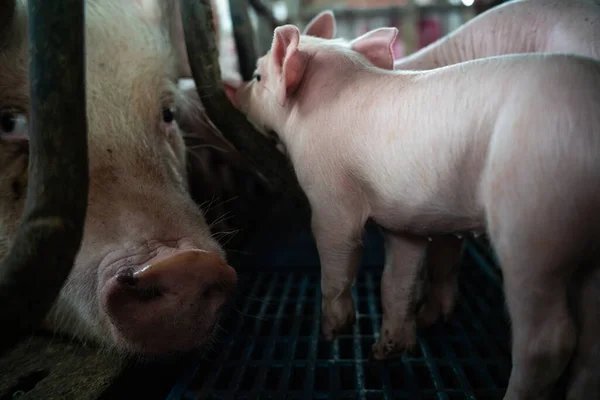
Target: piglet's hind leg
(584, 371)
(401, 284)
(537, 259)
(543, 331)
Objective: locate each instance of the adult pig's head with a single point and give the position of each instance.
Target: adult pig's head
(149, 279)
(282, 75)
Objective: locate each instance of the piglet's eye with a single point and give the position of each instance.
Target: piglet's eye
(12, 125)
(256, 76)
(168, 115)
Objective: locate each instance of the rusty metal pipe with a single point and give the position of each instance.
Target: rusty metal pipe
(51, 227)
(265, 12)
(243, 34)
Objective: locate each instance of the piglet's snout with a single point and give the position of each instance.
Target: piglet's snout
(171, 304)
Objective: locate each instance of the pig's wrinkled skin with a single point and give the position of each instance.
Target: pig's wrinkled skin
(523, 26)
(421, 166)
(149, 280)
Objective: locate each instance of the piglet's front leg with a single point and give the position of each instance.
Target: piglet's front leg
(401, 286)
(338, 238)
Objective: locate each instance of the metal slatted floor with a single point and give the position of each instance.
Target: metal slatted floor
(272, 348)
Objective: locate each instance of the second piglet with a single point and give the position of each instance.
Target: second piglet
(406, 150)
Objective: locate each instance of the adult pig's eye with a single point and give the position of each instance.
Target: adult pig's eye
(256, 76)
(168, 115)
(12, 125)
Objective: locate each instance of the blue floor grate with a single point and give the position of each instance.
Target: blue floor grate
(273, 350)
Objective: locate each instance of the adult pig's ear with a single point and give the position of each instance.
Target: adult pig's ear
(376, 46)
(322, 26)
(288, 61)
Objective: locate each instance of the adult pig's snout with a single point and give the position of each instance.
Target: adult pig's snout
(169, 305)
(213, 277)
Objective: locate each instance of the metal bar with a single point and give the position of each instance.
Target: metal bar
(244, 364)
(7, 10)
(256, 148)
(51, 229)
(243, 34)
(235, 332)
(275, 332)
(311, 367)
(294, 335)
(264, 11)
(204, 62)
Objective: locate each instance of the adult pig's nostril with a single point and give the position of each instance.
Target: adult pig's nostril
(141, 288)
(184, 260)
(187, 272)
(125, 276)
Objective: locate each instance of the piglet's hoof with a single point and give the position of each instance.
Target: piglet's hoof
(393, 342)
(333, 327)
(387, 350)
(429, 314)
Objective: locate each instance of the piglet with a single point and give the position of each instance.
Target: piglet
(519, 26)
(436, 286)
(474, 147)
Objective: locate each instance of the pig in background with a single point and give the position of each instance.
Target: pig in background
(150, 279)
(522, 26)
(494, 171)
(517, 26)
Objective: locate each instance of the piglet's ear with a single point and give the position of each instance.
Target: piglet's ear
(376, 46)
(231, 91)
(288, 61)
(322, 26)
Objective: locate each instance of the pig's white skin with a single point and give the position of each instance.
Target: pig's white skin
(488, 160)
(514, 27)
(436, 288)
(139, 208)
(520, 26)
(525, 26)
